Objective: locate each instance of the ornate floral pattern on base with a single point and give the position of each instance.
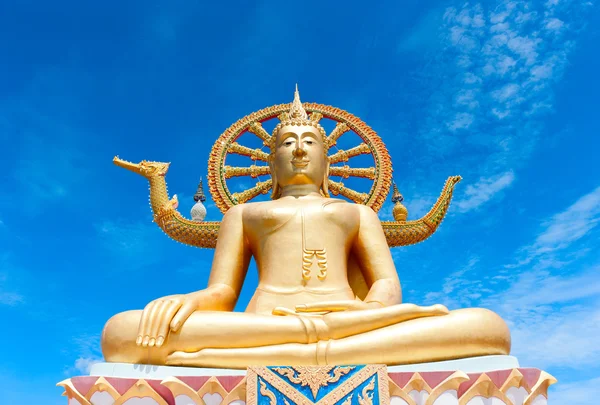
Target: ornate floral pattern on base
(322, 385)
(343, 385)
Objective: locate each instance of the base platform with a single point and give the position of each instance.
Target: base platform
(489, 380)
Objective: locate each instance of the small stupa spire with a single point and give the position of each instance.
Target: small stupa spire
(199, 196)
(199, 210)
(396, 196)
(399, 211)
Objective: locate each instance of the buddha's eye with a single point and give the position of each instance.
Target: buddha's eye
(309, 142)
(288, 143)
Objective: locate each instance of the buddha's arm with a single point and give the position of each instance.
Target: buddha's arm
(230, 263)
(375, 260)
(228, 271)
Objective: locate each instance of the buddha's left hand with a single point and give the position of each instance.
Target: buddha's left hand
(337, 306)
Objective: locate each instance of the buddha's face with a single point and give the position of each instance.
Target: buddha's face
(299, 156)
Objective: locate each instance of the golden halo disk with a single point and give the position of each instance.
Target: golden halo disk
(219, 172)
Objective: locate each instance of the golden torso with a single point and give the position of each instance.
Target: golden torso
(282, 235)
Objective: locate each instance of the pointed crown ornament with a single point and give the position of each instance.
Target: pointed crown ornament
(298, 116)
(297, 111)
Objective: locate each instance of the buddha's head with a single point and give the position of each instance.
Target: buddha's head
(299, 151)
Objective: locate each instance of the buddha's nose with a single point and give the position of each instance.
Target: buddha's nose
(299, 152)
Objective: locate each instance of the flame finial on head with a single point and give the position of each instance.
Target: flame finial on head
(297, 111)
(297, 115)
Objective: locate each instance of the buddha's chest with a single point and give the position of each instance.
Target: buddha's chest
(311, 222)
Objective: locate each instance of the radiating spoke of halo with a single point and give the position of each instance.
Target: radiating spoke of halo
(344, 155)
(347, 171)
(338, 188)
(257, 129)
(262, 187)
(254, 154)
(339, 130)
(253, 171)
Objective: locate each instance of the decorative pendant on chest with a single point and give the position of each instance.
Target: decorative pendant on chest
(311, 239)
(308, 257)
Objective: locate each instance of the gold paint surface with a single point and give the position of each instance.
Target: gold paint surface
(350, 312)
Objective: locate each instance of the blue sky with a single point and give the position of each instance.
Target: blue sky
(500, 92)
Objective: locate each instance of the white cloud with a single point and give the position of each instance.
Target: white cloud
(564, 228)
(572, 224)
(554, 24)
(525, 47)
(544, 312)
(506, 92)
(418, 206)
(459, 289)
(132, 244)
(86, 348)
(484, 190)
(10, 298)
(461, 121)
(575, 393)
(493, 79)
(552, 305)
(553, 311)
(84, 364)
(8, 294)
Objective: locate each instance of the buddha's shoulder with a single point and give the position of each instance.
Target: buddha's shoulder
(342, 208)
(337, 203)
(257, 208)
(346, 207)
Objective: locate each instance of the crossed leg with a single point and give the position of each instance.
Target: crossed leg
(246, 338)
(460, 334)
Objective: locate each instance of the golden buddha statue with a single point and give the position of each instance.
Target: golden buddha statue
(328, 290)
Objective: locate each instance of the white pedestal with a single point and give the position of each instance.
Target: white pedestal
(471, 365)
(492, 380)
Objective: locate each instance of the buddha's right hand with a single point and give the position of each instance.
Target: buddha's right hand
(162, 315)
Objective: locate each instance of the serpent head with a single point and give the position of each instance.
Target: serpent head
(144, 168)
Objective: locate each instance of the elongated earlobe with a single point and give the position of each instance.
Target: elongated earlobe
(325, 184)
(276, 193)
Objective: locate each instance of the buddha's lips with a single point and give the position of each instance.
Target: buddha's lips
(300, 163)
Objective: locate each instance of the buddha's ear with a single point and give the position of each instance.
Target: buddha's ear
(325, 184)
(276, 193)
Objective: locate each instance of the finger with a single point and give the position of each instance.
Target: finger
(282, 311)
(432, 310)
(328, 306)
(156, 322)
(149, 321)
(166, 321)
(181, 358)
(143, 322)
(182, 315)
(437, 309)
(406, 312)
